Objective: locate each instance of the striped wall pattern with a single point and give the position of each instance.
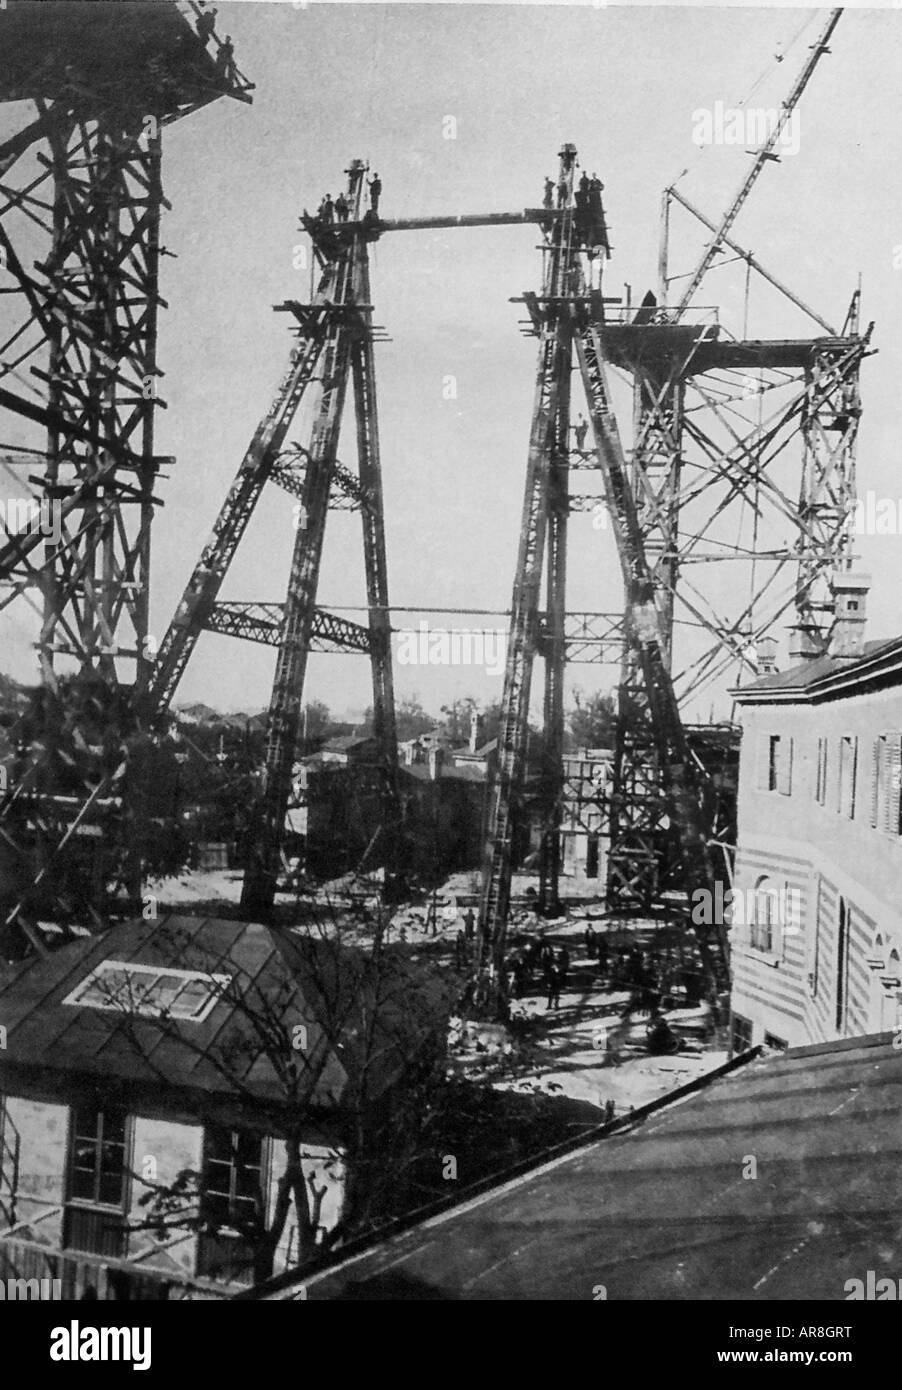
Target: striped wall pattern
(792, 993)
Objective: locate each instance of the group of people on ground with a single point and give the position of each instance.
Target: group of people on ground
(642, 972)
(554, 966)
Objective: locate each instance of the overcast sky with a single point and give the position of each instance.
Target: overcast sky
(337, 81)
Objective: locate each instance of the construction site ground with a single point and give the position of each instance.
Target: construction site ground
(590, 1048)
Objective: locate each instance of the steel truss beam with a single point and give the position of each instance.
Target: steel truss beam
(265, 622)
(729, 467)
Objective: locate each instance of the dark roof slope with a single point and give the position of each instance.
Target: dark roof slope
(278, 981)
(823, 676)
(662, 1211)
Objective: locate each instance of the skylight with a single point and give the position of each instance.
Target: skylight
(127, 987)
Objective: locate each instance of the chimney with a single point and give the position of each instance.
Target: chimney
(850, 594)
(474, 731)
(805, 644)
(766, 656)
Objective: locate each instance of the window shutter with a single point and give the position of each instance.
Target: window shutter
(875, 782)
(784, 766)
(824, 765)
(892, 773)
(853, 775)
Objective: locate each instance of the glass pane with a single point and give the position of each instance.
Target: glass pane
(218, 1177)
(83, 1184)
(113, 1127)
(216, 1208)
(248, 1149)
(110, 1188)
(165, 990)
(192, 998)
(247, 1182)
(219, 1144)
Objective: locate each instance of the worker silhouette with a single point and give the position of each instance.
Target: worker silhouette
(580, 429)
(375, 193)
(598, 235)
(548, 202)
(341, 208)
(327, 210)
(225, 59)
(205, 24)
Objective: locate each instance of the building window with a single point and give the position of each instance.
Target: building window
(233, 1162)
(232, 1202)
(126, 987)
(764, 927)
(777, 1044)
(820, 790)
(97, 1182)
(775, 764)
(878, 780)
(886, 768)
(842, 965)
(848, 759)
(592, 855)
(742, 1033)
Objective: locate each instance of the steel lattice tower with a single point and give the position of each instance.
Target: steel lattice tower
(79, 275)
(334, 350)
(697, 464)
(695, 461)
(568, 318)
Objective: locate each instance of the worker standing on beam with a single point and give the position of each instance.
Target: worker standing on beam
(375, 192)
(205, 24)
(341, 208)
(548, 202)
(225, 59)
(583, 217)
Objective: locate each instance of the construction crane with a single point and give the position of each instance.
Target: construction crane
(764, 156)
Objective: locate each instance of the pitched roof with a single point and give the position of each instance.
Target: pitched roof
(279, 981)
(825, 676)
(657, 1212)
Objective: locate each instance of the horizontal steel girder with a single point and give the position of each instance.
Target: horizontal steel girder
(262, 622)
